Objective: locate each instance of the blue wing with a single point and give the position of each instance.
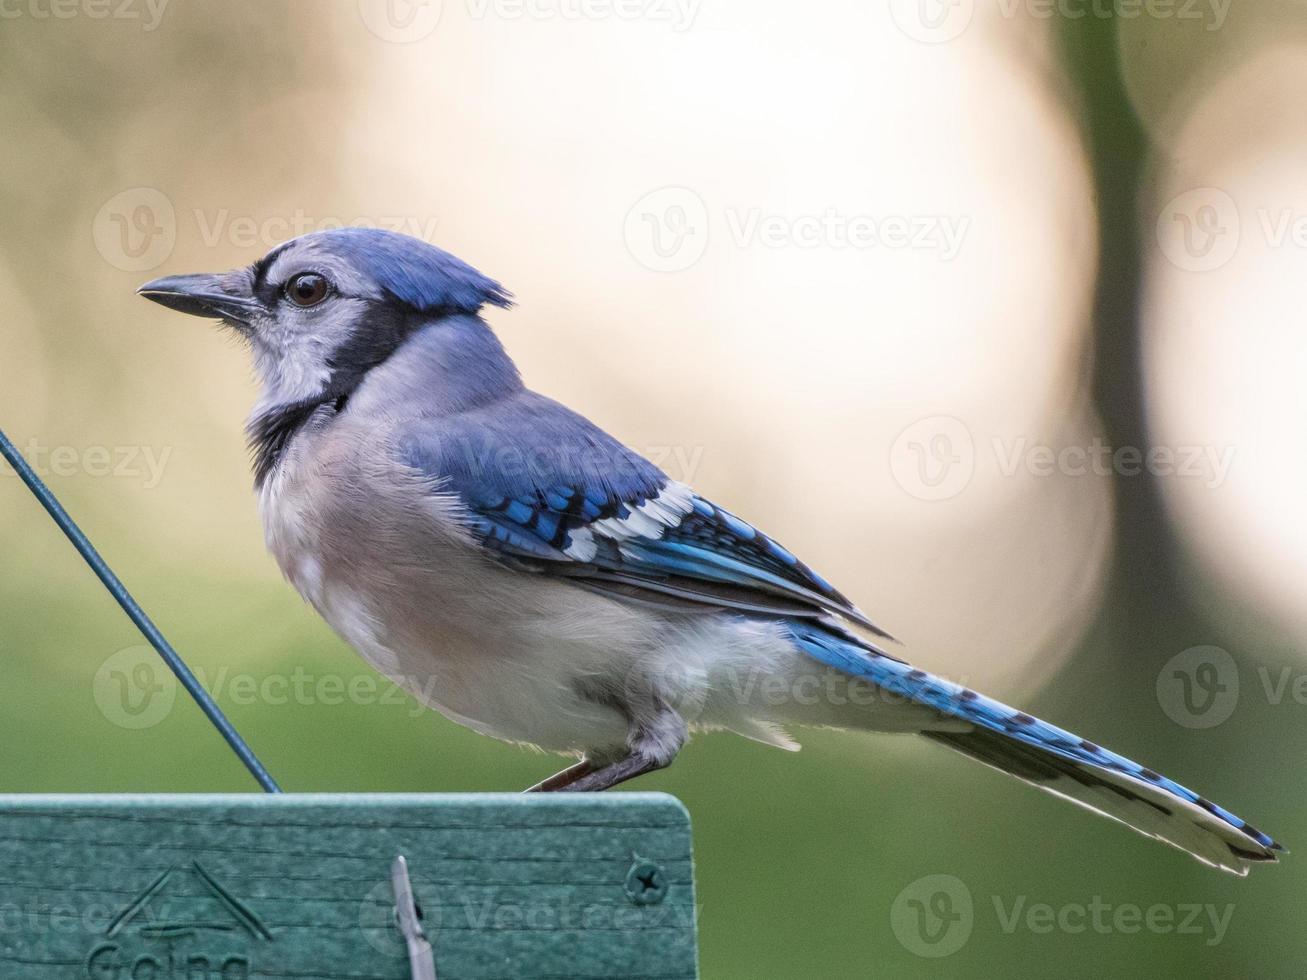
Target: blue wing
(549, 492)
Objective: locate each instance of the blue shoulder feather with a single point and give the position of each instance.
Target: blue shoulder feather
(546, 489)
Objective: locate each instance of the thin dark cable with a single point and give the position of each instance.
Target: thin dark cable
(135, 613)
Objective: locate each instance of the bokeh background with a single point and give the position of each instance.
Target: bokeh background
(992, 311)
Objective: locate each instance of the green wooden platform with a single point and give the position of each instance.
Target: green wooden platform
(233, 887)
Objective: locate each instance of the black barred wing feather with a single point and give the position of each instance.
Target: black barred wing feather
(589, 509)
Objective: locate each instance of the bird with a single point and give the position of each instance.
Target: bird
(528, 576)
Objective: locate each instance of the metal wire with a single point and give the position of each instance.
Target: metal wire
(136, 613)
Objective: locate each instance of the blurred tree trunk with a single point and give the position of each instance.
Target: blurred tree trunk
(1145, 618)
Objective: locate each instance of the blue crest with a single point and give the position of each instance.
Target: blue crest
(415, 273)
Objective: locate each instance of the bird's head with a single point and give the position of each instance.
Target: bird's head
(323, 309)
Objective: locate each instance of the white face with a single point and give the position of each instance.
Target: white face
(310, 305)
(322, 310)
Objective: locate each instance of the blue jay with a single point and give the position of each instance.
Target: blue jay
(522, 572)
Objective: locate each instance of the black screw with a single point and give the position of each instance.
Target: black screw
(645, 883)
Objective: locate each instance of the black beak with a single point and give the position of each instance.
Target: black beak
(199, 295)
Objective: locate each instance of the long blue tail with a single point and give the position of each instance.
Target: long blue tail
(1053, 759)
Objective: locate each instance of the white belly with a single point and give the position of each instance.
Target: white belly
(392, 572)
(523, 657)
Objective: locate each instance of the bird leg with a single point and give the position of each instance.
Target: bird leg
(606, 777)
(652, 743)
(561, 780)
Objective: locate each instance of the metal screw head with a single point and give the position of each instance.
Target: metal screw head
(646, 884)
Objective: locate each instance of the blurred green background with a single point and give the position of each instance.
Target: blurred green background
(801, 380)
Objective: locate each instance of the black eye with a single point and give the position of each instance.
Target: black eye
(307, 289)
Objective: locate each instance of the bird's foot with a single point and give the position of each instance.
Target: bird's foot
(606, 777)
(561, 780)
